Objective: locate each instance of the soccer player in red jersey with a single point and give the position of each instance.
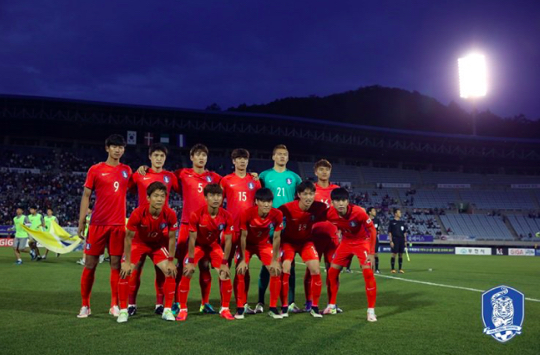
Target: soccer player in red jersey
(256, 223)
(358, 238)
(239, 191)
(151, 231)
(193, 181)
(157, 154)
(205, 227)
(109, 180)
(325, 234)
(299, 217)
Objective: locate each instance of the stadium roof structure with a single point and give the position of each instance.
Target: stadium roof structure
(255, 130)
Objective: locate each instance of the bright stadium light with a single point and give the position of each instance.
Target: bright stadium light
(472, 80)
(472, 76)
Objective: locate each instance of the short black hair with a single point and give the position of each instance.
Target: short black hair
(240, 153)
(305, 185)
(156, 186)
(33, 207)
(157, 147)
(264, 194)
(324, 163)
(396, 209)
(198, 148)
(369, 209)
(339, 194)
(48, 208)
(212, 189)
(115, 139)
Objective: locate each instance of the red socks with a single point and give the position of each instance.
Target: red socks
(275, 284)
(316, 287)
(371, 287)
(158, 283)
(183, 291)
(205, 281)
(240, 287)
(115, 276)
(87, 281)
(226, 292)
(285, 289)
(307, 285)
(333, 281)
(134, 284)
(169, 286)
(123, 292)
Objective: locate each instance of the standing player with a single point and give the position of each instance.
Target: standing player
(152, 227)
(193, 181)
(109, 180)
(48, 219)
(157, 154)
(358, 238)
(239, 191)
(372, 212)
(205, 226)
(299, 217)
(282, 182)
(37, 224)
(325, 234)
(397, 233)
(256, 223)
(21, 237)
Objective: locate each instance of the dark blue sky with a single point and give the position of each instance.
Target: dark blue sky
(193, 53)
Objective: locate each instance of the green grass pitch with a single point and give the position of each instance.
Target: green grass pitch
(39, 302)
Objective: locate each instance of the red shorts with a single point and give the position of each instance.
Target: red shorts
(345, 252)
(264, 252)
(100, 237)
(182, 242)
(157, 253)
(306, 250)
(212, 252)
(326, 240)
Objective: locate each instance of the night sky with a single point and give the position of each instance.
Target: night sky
(193, 53)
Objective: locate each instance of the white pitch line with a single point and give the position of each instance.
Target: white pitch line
(434, 284)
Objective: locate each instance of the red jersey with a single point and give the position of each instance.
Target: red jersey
(240, 194)
(258, 228)
(298, 223)
(142, 183)
(208, 229)
(192, 185)
(322, 194)
(110, 184)
(150, 230)
(356, 227)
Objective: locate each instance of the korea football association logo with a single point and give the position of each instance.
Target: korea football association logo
(162, 225)
(353, 224)
(124, 174)
(221, 227)
(166, 179)
(503, 311)
(251, 186)
(209, 178)
(289, 181)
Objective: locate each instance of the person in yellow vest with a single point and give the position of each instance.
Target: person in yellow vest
(20, 243)
(36, 223)
(48, 219)
(88, 217)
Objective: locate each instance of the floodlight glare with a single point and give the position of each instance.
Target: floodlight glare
(472, 76)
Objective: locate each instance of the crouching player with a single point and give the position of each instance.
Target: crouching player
(151, 231)
(358, 238)
(205, 226)
(256, 223)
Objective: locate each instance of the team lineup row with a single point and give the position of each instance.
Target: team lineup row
(275, 216)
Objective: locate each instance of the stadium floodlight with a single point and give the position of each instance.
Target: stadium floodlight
(472, 80)
(472, 76)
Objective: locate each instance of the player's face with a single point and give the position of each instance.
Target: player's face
(115, 151)
(398, 214)
(157, 159)
(19, 211)
(323, 173)
(281, 157)
(307, 197)
(32, 210)
(199, 159)
(214, 200)
(49, 213)
(264, 206)
(373, 213)
(157, 199)
(341, 206)
(240, 163)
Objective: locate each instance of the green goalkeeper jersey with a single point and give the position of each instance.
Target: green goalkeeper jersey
(283, 185)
